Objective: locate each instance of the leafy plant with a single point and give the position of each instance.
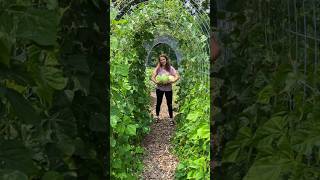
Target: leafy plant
(268, 100)
(52, 90)
(130, 103)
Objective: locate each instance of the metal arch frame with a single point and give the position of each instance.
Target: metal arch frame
(163, 39)
(197, 15)
(132, 5)
(179, 28)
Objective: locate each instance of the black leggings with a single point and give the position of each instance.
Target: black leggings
(168, 95)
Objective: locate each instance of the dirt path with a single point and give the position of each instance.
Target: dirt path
(159, 162)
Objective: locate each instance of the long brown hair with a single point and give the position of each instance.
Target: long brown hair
(167, 66)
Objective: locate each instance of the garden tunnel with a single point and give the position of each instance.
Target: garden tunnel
(164, 39)
(136, 28)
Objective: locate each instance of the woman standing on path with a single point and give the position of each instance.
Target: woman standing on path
(164, 67)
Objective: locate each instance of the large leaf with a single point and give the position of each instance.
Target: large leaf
(54, 77)
(39, 25)
(273, 127)
(14, 155)
(131, 129)
(66, 122)
(235, 147)
(306, 138)
(270, 131)
(267, 168)
(20, 105)
(204, 132)
(231, 152)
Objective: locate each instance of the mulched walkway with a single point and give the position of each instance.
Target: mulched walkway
(158, 161)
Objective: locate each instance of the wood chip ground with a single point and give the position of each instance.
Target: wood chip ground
(159, 162)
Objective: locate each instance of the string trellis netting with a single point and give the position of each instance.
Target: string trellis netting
(134, 25)
(268, 117)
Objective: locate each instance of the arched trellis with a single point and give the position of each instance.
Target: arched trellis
(192, 8)
(163, 39)
(200, 22)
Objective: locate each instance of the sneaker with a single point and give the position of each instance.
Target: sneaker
(171, 122)
(157, 119)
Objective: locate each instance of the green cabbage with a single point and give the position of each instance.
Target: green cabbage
(163, 78)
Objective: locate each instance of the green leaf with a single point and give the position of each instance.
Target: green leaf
(233, 148)
(139, 150)
(265, 94)
(39, 25)
(274, 126)
(54, 77)
(12, 175)
(268, 168)
(306, 138)
(114, 121)
(14, 155)
(52, 175)
(20, 105)
(66, 145)
(45, 93)
(51, 59)
(193, 116)
(231, 152)
(66, 122)
(131, 129)
(120, 69)
(270, 131)
(204, 132)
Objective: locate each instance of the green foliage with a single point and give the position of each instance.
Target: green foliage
(150, 85)
(269, 128)
(131, 86)
(52, 91)
(130, 117)
(192, 139)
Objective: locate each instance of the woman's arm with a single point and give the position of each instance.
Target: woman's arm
(176, 78)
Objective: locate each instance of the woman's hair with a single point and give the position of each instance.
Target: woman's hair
(167, 66)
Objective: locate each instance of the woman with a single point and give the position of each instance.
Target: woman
(164, 67)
